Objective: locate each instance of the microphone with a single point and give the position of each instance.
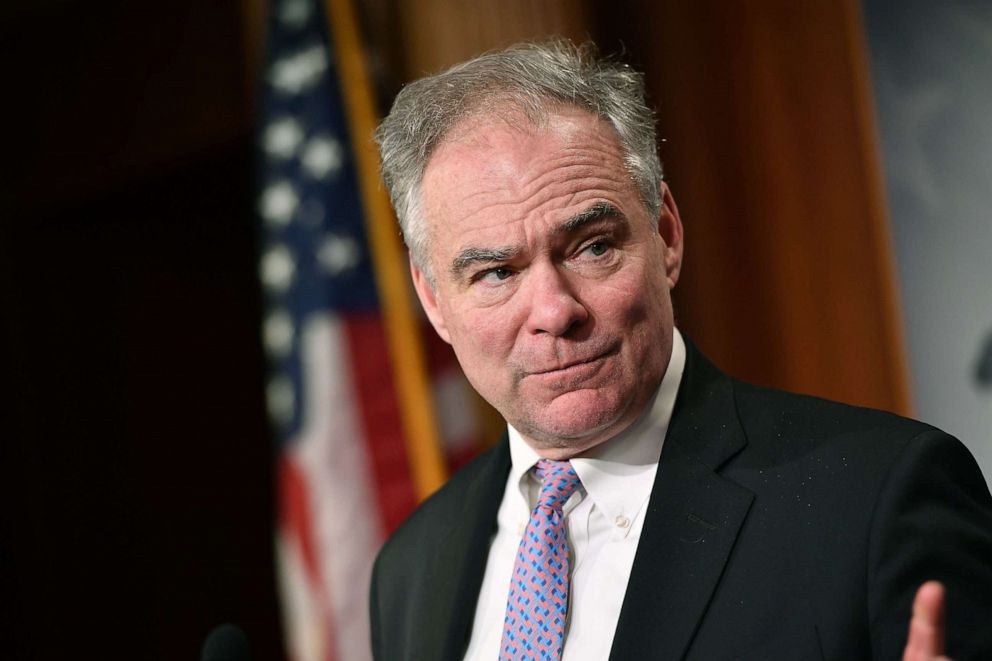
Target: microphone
(225, 643)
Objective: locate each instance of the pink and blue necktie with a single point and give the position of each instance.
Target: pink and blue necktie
(534, 629)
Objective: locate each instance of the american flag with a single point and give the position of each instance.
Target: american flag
(344, 468)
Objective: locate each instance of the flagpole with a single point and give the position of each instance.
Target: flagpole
(389, 258)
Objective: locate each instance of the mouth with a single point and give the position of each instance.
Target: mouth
(564, 367)
(573, 371)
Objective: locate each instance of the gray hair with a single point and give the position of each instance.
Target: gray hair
(533, 78)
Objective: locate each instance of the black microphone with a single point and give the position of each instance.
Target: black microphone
(225, 643)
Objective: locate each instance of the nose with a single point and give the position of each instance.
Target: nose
(554, 306)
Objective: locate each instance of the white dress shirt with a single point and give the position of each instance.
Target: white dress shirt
(603, 518)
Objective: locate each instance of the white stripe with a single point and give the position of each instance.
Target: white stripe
(333, 456)
(302, 621)
(456, 408)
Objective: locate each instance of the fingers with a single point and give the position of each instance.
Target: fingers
(926, 628)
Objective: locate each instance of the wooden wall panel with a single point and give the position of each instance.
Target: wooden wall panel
(439, 33)
(771, 154)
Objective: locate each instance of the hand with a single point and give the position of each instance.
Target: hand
(926, 628)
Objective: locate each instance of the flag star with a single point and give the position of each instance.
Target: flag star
(295, 13)
(278, 203)
(281, 399)
(338, 253)
(278, 333)
(298, 72)
(282, 138)
(278, 268)
(322, 156)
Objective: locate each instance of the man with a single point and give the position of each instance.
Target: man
(674, 512)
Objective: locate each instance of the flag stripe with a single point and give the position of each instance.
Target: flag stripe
(308, 621)
(335, 461)
(416, 406)
(373, 382)
(348, 392)
(317, 274)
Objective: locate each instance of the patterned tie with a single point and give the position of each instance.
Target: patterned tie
(534, 629)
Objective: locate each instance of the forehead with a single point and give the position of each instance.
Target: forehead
(498, 140)
(504, 169)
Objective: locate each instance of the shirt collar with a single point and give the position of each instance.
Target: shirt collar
(617, 474)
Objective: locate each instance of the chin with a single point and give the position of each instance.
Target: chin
(572, 433)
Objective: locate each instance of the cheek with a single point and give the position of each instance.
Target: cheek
(482, 336)
(638, 310)
(484, 348)
(625, 303)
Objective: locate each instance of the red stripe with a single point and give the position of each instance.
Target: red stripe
(296, 521)
(438, 353)
(294, 505)
(375, 386)
(442, 363)
(460, 455)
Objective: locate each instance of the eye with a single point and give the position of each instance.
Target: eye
(497, 274)
(598, 248)
(597, 252)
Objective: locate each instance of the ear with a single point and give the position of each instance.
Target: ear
(670, 229)
(428, 299)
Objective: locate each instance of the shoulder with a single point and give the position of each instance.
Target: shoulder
(853, 457)
(842, 456)
(472, 487)
(874, 503)
(784, 425)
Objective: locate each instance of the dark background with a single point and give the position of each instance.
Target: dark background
(136, 468)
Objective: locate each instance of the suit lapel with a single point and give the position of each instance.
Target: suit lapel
(460, 562)
(692, 520)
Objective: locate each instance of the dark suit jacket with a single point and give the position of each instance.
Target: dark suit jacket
(779, 527)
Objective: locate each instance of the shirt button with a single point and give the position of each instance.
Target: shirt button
(520, 529)
(622, 521)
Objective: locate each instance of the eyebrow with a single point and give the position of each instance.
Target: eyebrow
(466, 258)
(595, 213)
(471, 256)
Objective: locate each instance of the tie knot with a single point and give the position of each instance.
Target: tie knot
(558, 482)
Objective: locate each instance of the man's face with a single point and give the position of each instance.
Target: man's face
(550, 282)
